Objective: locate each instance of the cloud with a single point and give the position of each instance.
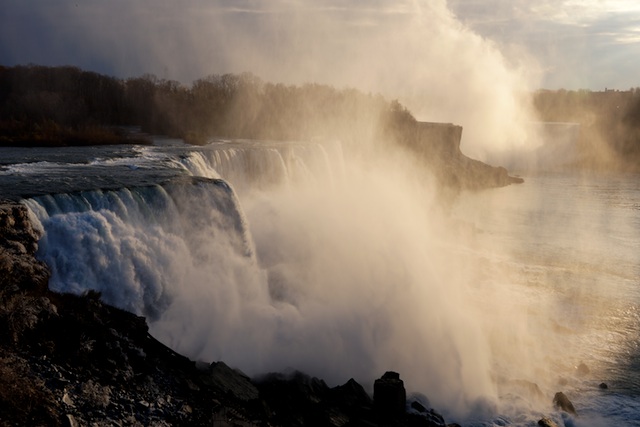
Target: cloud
(579, 44)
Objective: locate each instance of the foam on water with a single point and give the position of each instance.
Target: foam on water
(131, 245)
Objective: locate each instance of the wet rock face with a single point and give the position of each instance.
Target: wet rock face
(547, 422)
(389, 395)
(562, 402)
(18, 244)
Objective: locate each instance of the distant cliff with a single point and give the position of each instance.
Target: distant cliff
(438, 145)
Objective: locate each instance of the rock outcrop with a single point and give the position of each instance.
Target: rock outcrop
(438, 146)
(547, 422)
(389, 395)
(18, 243)
(562, 402)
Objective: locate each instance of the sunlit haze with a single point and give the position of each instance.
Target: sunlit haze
(417, 52)
(579, 44)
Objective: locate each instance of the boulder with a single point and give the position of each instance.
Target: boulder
(562, 402)
(389, 395)
(295, 399)
(547, 422)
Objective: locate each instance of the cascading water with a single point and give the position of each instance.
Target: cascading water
(349, 277)
(252, 166)
(131, 245)
(338, 267)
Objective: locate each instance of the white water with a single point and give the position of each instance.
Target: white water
(349, 269)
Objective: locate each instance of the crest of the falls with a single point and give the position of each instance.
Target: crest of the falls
(250, 165)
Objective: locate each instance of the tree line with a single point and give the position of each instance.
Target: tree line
(609, 121)
(40, 104)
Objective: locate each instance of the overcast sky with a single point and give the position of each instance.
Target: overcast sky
(461, 61)
(590, 44)
(577, 44)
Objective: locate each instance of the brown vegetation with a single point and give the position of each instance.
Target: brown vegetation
(50, 105)
(48, 133)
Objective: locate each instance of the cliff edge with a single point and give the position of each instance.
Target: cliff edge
(438, 145)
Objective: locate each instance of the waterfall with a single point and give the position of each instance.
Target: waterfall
(249, 166)
(338, 268)
(136, 246)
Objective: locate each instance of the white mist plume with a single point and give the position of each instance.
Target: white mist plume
(361, 279)
(355, 272)
(414, 50)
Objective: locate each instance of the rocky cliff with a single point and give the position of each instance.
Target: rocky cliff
(438, 145)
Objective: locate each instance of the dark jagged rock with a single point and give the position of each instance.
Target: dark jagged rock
(418, 406)
(562, 402)
(352, 395)
(547, 422)
(433, 418)
(603, 386)
(389, 395)
(296, 400)
(231, 381)
(300, 400)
